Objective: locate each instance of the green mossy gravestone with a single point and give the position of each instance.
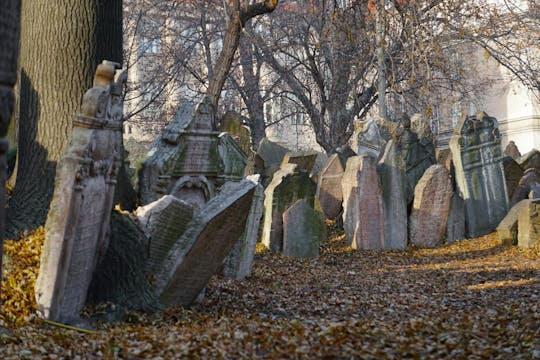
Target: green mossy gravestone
(303, 230)
(477, 157)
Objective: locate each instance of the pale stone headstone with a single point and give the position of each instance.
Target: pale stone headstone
(529, 224)
(329, 187)
(512, 174)
(200, 251)
(392, 178)
(305, 159)
(303, 230)
(455, 228)
(362, 203)
(288, 185)
(370, 140)
(185, 160)
(527, 182)
(431, 207)
(233, 158)
(78, 219)
(477, 157)
(508, 227)
(512, 150)
(163, 222)
(238, 264)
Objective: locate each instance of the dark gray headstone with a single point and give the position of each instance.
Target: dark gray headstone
(303, 230)
(455, 228)
(329, 190)
(512, 174)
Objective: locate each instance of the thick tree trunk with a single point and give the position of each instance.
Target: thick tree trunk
(9, 43)
(62, 42)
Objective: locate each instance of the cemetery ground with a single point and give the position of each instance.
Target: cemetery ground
(474, 299)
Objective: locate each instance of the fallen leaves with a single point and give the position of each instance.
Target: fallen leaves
(473, 299)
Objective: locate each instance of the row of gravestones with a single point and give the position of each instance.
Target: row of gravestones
(199, 212)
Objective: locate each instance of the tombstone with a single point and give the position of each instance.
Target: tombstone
(78, 219)
(417, 154)
(528, 182)
(329, 188)
(477, 157)
(184, 161)
(529, 225)
(362, 204)
(431, 206)
(238, 263)
(288, 185)
(233, 158)
(200, 251)
(303, 230)
(320, 162)
(530, 160)
(455, 227)
(370, 140)
(233, 124)
(507, 230)
(268, 158)
(9, 43)
(512, 174)
(163, 222)
(392, 178)
(305, 159)
(512, 150)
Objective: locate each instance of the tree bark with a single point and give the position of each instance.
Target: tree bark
(9, 43)
(62, 42)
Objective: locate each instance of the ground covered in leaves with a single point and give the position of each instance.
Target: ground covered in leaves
(475, 299)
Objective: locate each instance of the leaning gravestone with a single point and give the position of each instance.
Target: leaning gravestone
(512, 175)
(528, 182)
(362, 203)
(392, 177)
(303, 230)
(305, 160)
(268, 158)
(77, 223)
(529, 225)
(288, 185)
(185, 160)
(200, 251)
(320, 162)
(431, 206)
(329, 190)
(507, 230)
(233, 158)
(163, 222)
(370, 140)
(477, 156)
(238, 264)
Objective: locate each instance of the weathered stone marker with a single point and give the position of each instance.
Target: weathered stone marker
(455, 228)
(431, 206)
(362, 203)
(392, 178)
(303, 230)
(304, 159)
(76, 227)
(512, 150)
(238, 264)
(508, 228)
(477, 156)
(512, 174)
(529, 224)
(209, 238)
(329, 190)
(268, 158)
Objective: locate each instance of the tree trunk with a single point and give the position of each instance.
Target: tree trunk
(9, 43)
(62, 42)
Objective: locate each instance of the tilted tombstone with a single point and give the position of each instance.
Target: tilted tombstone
(268, 158)
(362, 203)
(163, 222)
(392, 178)
(477, 156)
(288, 185)
(529, 224)
(78, 219)
(512, 175)
(512, 150)
(207, 241)
(528, 181)
(507, 230)
(303, 230)
(304, 159)
(320, 162)
(431, 207)
(455, 227)
(370, 140)
(185, 160)
(329, 187)
(233, 158)
(417, 153)
(238, 263)
(530, 160)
